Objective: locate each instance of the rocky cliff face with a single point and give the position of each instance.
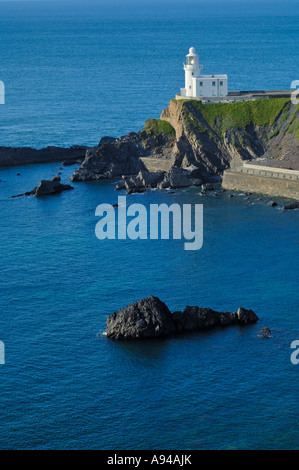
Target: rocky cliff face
(123, 156)
(215, 136)
(200, 141)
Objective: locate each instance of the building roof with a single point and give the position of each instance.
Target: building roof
(212, 76)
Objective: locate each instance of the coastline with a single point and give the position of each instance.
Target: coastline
(192, 144)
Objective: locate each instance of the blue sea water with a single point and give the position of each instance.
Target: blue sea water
(72, 75)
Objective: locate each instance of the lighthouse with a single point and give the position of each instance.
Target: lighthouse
(198, 85)
(192, 70)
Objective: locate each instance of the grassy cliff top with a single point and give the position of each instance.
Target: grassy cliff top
(158, 127)
(238, 115)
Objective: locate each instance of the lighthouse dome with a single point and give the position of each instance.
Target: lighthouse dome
(192, 50)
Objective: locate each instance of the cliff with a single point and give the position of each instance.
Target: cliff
(199, 141)
(212, 136)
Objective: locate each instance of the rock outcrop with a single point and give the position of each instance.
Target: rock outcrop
(25, 155)
(151, 318)
(116, 157)
(47, 188)
(175, 178)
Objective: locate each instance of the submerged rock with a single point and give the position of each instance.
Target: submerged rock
(151, 318)
(265, 333)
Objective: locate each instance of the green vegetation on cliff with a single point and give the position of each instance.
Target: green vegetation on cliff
(294, 123)
(158, 127)
(224, 116)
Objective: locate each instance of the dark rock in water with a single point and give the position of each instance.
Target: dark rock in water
(47, 188)
(71, 162)
(208, 187)
(18, 174)
(246, 316)
(196, 318)
(265, 333)
(135, 190)
(56, 178)
(120, 186)
(293, 205)
(150, 318)
(272, 204)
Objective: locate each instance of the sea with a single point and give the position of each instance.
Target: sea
(75, 72)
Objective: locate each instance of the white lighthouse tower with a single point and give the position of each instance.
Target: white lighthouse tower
(201, 86)
(192, 70)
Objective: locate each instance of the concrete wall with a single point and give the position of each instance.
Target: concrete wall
(261, 184)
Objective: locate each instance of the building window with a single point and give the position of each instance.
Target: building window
(221, 83)
(200, 83)
(213, 83)
(190, 87)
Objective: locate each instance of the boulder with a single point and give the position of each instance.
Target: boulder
(120, 186)
(246, 316)
(107, 140)
(56, 179)
(150, 179)
(148, 318)
(265, 333)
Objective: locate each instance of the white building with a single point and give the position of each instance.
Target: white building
(197, 85)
